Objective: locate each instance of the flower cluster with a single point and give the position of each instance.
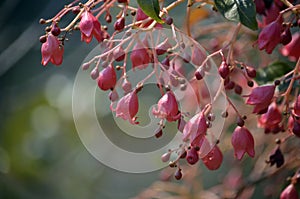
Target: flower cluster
(144, 45)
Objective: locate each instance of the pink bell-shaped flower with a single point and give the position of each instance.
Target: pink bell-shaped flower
(52, 51)
(270, 121)
(127, 107)
(213, 159)
(292, 49)
(89, 27)
(261, 97)
(107, 78)
(270, 36)
(167, 107)
(195, 129)
(242, 142)
(289, 192)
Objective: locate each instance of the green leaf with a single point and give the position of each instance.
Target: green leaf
(151, 8)
(272, 72)
(239, 11)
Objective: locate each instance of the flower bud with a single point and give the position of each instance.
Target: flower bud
(192, 156)
(163, 47)
(113, 96)
(94, 73)
(119, 54)
(178, 174)
(242, 142)
(251, 72)
(286, 36)
(166, 157)
(55, 30)
(213, 159)
(107, 78)
(289, 192)
(199, 73)
(120, 24)
(224, 69)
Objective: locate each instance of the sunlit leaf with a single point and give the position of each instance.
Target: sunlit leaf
(151, 8)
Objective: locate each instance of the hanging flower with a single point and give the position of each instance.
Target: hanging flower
(270, 121)
(289, 192)
(167, 107)
(292, 48)
(127, 107)
(242, 142)
(89, 27)
(52, 51)
(107, 78)
(213, 159)
(140, 57)
(261, 97)
(195, 129)
(270, 36)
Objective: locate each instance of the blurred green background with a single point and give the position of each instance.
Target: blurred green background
(41, 155)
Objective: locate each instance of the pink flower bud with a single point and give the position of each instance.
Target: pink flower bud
(167, 107)
(270, 121)
(192, 156)
(126, 86)
(292, 49)
(127, 107)
(213, 159)
(270, 36)
(224, 70)
(55, 30)
(95, 73)
(242, 142)
(289, 192)
(89, 27)
(52, 51)
(199, 73)
(178, 174)
(119, 54)
(107, 78)
(113, 96)
(286, 36)
(140, 57)
(119, 24)
(251, 72)
(166, 157)
(163, 47)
